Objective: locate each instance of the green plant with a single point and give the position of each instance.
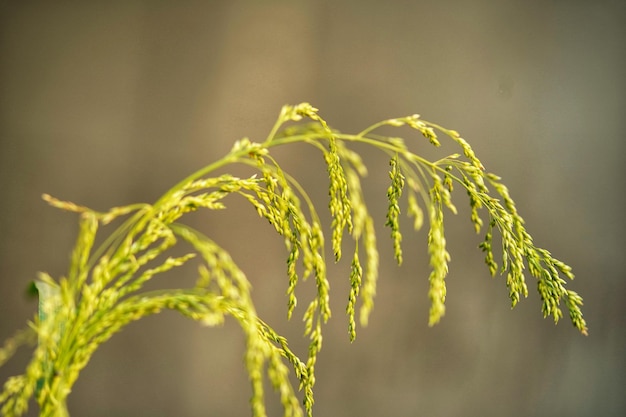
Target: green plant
(103, 289)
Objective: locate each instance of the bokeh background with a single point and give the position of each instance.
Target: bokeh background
(110, 103)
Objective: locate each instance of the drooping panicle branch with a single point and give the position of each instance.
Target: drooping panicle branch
(105, 288)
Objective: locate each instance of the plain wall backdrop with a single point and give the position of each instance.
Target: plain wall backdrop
(110, 103)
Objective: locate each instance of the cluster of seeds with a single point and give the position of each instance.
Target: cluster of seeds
(104, 289)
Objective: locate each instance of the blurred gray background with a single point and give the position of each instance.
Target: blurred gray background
(110, 103)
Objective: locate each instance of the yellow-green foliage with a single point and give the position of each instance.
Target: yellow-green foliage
(103, 290)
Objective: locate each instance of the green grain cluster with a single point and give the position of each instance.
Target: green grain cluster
(103, 290)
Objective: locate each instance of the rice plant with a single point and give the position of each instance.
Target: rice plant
(103, 290)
